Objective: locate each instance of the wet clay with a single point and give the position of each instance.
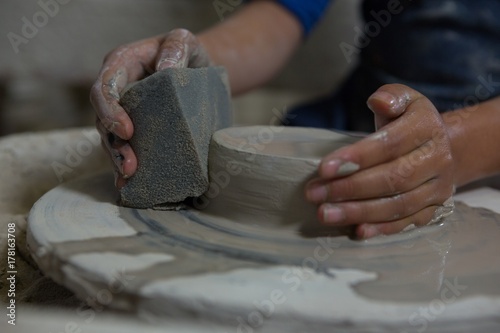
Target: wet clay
(206, 264)
(258, 173)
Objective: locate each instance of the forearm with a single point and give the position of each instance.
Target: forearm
(254, 44)
(475, 138)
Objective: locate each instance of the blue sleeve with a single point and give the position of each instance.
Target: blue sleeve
(309, 12)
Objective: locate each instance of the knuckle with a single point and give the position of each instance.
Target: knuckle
(342, 189)
(389, 145)
(356, 212)
(394, 178)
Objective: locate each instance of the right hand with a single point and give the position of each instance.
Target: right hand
(128, 63)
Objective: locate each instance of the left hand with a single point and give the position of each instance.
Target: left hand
(396, 177)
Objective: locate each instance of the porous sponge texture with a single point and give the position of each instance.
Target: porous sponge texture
(174, 112)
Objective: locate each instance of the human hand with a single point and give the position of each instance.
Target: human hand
(128, 63)
(397, 177)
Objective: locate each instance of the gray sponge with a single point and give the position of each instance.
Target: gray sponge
(174, 112)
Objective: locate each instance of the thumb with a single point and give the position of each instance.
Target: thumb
(389, 102)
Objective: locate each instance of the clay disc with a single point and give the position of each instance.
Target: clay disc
(190, 264)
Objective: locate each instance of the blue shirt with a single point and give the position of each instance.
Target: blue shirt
(308, 12)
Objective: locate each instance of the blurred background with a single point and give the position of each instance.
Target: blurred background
(52, 50)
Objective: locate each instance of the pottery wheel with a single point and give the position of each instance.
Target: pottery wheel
(190, 264)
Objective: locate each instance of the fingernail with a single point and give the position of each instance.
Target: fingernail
(333, 214)
(319, 193)
(330, 168)
(347, 168)
(370, 231)
(166, 63)
(396, 103)
(382, 96)
(338, 167)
